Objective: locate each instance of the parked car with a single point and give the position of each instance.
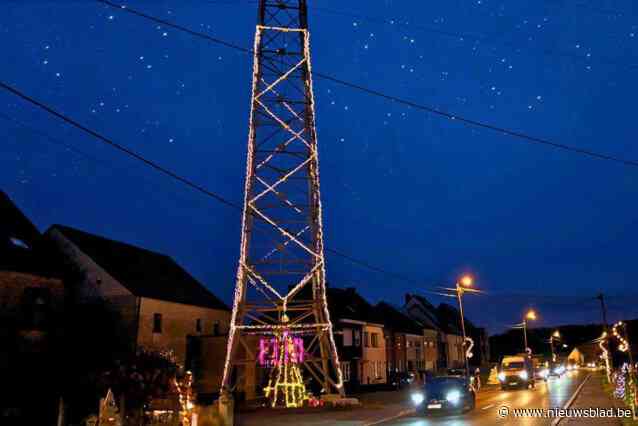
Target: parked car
(459, 372)
(444, 394)
(400, 379)
(516, 371)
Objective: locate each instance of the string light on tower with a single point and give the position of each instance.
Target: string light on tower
(282, 251)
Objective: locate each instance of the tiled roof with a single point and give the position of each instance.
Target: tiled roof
(144, 273)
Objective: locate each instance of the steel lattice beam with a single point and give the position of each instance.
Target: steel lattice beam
(281, 267)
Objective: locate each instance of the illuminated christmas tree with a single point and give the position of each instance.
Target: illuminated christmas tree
(285, 386)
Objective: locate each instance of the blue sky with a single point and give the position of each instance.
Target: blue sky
(416, 194)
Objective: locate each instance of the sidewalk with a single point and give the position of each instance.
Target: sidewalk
(593, 395)
(375, 408)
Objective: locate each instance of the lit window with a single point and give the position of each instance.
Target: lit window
(375, 340)
(347, 337)
(19, 243)
(345, 371)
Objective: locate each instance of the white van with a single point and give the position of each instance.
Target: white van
(516, 371)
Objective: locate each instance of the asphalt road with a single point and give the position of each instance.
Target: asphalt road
(552, 394)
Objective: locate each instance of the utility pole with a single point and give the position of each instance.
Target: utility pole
(603, 309)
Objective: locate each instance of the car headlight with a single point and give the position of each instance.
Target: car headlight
(417, 398)
(523, 375)
(544, 372)
(501, 376)
(453, 396)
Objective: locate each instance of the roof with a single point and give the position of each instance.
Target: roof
(22, 248)
(346, 303)
(143, 272)
(396, 320)
(422, 310)
(449, 318)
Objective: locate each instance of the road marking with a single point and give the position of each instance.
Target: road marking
(487, 406)
(387, 419)
(571, 400)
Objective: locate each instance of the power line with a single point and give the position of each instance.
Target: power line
(177, 177)
(422, 107)
(117, 146)
(457, 35)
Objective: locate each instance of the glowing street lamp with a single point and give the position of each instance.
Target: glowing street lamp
(530, 315)
(462, 285)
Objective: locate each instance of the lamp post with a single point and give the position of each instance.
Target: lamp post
(555, 335)
(530, 315)
(463, 284)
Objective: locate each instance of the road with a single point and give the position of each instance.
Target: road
(553, 394)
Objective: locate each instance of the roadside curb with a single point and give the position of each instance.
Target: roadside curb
(571, 400)
(388, 419)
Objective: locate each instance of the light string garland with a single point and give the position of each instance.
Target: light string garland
(287, 378)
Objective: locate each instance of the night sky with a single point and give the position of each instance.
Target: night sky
(415, 194)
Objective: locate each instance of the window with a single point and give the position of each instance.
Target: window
(216, 328)
(357, 338)
(376, 368)
(366, 339)
(157, 323)
(19, 243)
(347, 337)
(345, 371)
(375, 340)
(198, 325)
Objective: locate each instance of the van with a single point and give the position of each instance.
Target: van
(516, 371)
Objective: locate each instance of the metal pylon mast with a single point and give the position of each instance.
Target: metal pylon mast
(281, 275)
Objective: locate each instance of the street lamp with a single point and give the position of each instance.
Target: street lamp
(555, 335)
(462, 285)
(530, 315)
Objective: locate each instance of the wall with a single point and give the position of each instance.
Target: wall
(414, 353)
(374, 358)
(454, 353)
(95, 283)
(178, 321)
(430, 347)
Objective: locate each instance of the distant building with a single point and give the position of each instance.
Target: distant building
(158, 302)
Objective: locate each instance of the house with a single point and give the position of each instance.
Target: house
(158, 303)
(359, 338)
(31, 321)
(450, 321)
(404, 340)
(435, 343)
(450, 315)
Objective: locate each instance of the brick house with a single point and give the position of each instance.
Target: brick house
(31, 321)
(450, 316)
(158, 302)
(404, 340)
(435, 343)
(359, 339)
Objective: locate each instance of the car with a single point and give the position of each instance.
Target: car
(444, 394)
(459, 372)
(400, 379)
(557, 370)
(516, 371)
(541, 372)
